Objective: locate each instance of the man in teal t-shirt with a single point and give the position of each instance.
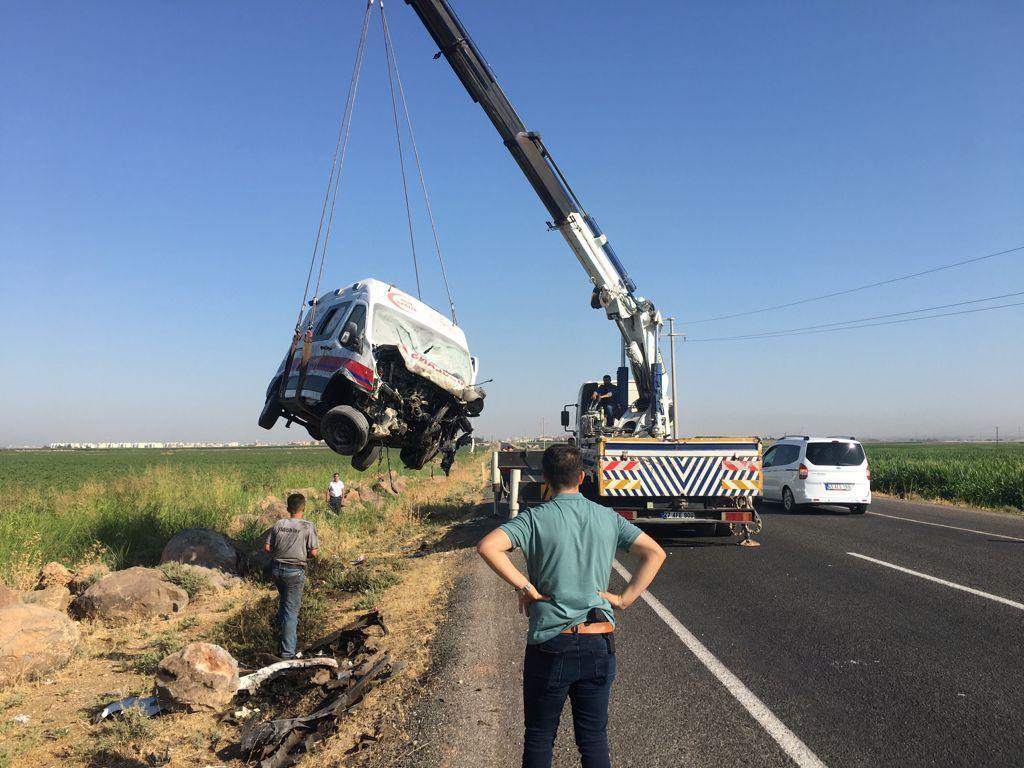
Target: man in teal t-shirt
(569, 544)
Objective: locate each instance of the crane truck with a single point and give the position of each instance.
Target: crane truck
(632, 464)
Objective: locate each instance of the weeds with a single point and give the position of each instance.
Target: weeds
(147, 661)
(194, 582)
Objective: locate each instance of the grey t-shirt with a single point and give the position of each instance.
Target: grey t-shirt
(290, 541)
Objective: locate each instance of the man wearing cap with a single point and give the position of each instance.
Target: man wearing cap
(569, 543)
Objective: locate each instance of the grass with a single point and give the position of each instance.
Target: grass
(193, 582)
(977, 474)
(124, 504)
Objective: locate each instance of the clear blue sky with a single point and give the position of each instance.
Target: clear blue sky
(161, 167)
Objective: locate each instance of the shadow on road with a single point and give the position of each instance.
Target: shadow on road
(771, 508)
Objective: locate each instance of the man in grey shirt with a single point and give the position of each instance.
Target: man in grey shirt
(290, 542)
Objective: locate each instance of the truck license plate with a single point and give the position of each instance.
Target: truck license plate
(679, 515)
(838, 486)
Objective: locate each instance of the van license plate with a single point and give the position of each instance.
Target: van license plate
(838, 486)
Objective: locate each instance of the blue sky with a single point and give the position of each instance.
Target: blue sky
(162, 164)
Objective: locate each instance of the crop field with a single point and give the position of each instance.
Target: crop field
(977, 474)
(122, 504)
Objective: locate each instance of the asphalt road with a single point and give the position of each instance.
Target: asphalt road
(796, 652)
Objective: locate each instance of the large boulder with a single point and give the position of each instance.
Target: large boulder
(56, 598)
(53, 575)
(272, 508)
(34, 641)
(134, 594)
(85, 576)
(200, 677)
(204, 579)
(200, 546)
(8, 596)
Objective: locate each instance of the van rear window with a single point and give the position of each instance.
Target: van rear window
(838, 454)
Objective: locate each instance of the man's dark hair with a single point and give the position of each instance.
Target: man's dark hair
(608, 377)
(561, 465)
(296, 503)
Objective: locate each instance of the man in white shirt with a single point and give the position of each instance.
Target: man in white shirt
(336, 493)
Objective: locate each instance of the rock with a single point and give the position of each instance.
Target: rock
(56, 598)
(85, 576)
(273, 508)
(8, 596)
(353, 497)
(53, 575)
(133, 594)
(200, 677)
(34, 641)
(199, 546)
(309, 493)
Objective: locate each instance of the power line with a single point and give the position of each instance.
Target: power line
(788, 331)
(865, 325)
(855, 290)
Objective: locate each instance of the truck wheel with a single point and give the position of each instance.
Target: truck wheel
(366, 458)
(345, 430)
(271, 412)
(414, 457)
(788, 502)
(858, 509)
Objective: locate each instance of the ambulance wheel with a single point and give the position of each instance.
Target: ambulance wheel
(366, 458)
(789, 502)
(414, 457)
(345, 430)
(858, 509)
(271, 412)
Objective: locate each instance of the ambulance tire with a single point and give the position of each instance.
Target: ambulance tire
(345, 430)
(366, 458)
(271, 412)
(858, 509)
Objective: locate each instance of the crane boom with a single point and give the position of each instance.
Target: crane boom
(637, 319)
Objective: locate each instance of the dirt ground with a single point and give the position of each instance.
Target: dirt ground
(112, 663)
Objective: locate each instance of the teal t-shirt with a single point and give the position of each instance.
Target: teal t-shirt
(569, 543)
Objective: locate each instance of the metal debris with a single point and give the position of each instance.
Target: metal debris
(281, 743)
(148, 704)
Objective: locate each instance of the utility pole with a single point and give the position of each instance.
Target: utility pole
(997, 435)
(672, 362)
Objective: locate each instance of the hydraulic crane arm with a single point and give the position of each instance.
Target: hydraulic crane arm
(637, 319)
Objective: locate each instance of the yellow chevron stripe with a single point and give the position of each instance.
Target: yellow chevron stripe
(741, 485)
(622, 485)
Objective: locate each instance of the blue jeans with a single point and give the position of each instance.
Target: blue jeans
(581, 667)
(608, 409)
(289, 580)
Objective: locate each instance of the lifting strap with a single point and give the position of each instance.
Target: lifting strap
(392, 64)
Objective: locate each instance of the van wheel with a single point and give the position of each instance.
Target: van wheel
(271, 412)
(858, 509)
(788, 502)
(366, 458)
(414, 457)
(345, 430)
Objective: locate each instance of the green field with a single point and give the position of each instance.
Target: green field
(976, 474)
(56, 505)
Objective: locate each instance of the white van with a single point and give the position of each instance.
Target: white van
(804, 470)
(378, 368)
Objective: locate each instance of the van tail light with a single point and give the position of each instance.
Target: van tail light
(802, 472)
(869, 474)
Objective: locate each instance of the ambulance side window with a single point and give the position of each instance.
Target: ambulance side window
(329, 322)
(358, 317)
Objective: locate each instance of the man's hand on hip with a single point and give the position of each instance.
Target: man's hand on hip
(528, 598)
(618, 602)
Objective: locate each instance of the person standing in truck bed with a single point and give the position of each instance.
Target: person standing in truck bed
(290, 543)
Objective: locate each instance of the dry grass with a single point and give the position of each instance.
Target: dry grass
(112, 663)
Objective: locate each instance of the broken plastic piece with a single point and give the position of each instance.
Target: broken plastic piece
(147, 704)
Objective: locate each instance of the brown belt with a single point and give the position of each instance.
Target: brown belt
(595, 628)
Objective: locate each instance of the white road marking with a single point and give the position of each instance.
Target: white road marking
(789, 741)
(943, 525)
(961, 587)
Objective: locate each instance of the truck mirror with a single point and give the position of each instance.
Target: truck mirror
(350, 337)
(565, 417)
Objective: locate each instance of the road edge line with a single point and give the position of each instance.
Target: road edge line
(943, 525)
(937, 580)
(791, 744)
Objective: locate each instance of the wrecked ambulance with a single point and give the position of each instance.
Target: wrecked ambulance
(383, 369)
